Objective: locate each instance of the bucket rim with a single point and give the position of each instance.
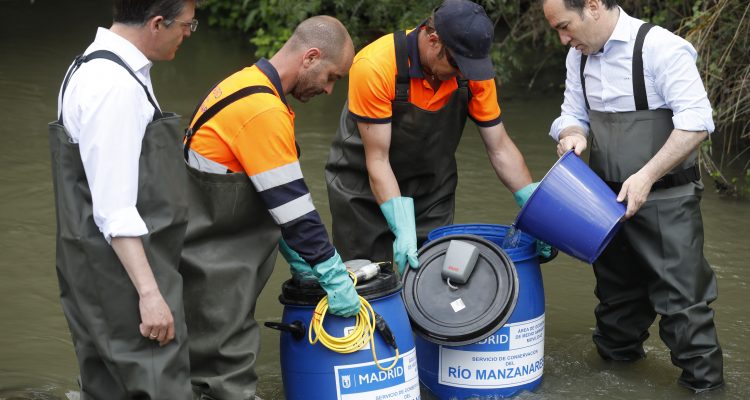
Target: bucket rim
(525, 207)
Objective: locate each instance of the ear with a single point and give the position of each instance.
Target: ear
(433, 39)
(311, 56)
(594, 6)
(155, 23)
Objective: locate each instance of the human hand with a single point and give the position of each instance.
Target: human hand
(635, 190)
(334, 278)
(575, 141)
(544, 251)
(399, 213)
(157, 322)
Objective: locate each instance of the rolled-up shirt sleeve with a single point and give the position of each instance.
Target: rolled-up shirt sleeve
(111, 131)
(677, 80)
(573, 109)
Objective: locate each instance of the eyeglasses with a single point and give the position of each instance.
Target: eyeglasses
(449, 58)
(193, 24)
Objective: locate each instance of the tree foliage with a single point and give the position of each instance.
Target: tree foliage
(720, 32)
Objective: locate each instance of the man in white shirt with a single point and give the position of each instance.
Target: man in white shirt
(121, 215)
(634, 89)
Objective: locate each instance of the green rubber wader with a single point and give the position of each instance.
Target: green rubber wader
(98, 298)
(229, 254)
(422, 156)
(655, 263)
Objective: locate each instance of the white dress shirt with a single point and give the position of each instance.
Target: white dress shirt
(672, 79)
(106, 111)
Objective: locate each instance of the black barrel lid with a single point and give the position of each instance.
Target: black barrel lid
(473, 311)
(309, 292)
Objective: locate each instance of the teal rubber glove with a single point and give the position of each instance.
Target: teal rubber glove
(399, 213)
(333, 277)
(523, 194)
(543, 250)
(300, 268)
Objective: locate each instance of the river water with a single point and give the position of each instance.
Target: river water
(39, 38)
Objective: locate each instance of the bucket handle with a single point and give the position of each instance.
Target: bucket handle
(296, 328)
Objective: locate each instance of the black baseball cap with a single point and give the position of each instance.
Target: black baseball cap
(466, 29)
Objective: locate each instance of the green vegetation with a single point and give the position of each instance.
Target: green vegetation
(720, 32)
(528, 50)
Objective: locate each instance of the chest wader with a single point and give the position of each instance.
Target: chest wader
(422, 156)
(229, 254)
(655, 264)
(98, 298)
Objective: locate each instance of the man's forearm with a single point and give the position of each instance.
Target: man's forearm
(382, 181)
(133, 257)
(505, 158)
(376, 139)
(676, 149)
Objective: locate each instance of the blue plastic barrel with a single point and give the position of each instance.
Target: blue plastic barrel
(507, 362)
(573, 210)
(313, 372)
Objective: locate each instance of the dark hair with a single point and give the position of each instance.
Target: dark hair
(137, 12)
(429, 23)
(577, 5)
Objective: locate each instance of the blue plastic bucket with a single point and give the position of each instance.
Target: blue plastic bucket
(507, 362)
(573, 210)
(313, 372)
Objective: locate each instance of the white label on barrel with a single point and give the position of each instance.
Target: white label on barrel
(512, 356)
(367, 382)
(458, 305)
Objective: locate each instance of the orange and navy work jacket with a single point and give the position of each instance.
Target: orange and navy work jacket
(372, 86)
(255, 135)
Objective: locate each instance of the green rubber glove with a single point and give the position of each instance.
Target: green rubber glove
(333, 277)
(299, 268)
(399, 213)
(543, 250)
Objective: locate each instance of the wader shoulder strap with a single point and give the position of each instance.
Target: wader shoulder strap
(464, 83)
(218, 106)
(639, 82)
(583, 80)
(73, 68)
(107, 55)
(402, 67)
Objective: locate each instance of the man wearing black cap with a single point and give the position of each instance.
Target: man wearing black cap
(391, 171)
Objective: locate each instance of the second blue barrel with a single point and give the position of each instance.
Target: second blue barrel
(511, 358)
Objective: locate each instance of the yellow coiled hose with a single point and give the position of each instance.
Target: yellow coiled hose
(362, 334)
